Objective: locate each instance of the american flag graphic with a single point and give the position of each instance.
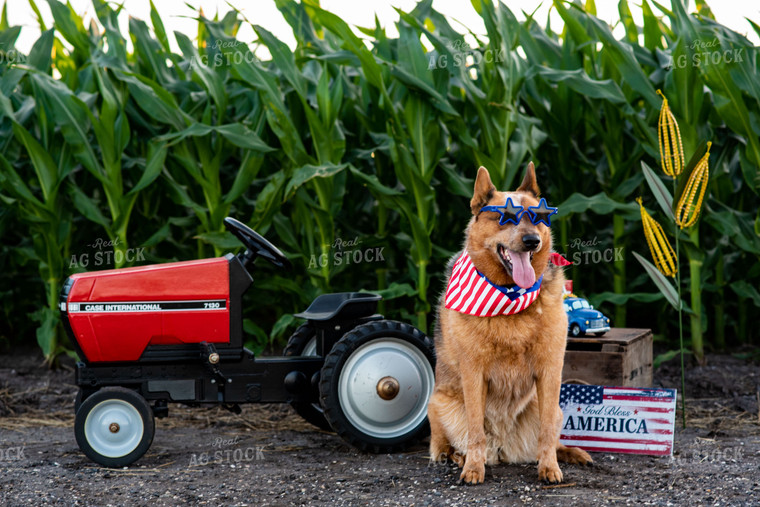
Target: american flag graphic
(625, 420)
(472, 293)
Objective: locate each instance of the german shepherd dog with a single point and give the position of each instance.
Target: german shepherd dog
(498, 374)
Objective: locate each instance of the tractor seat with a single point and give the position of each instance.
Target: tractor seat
(342, 305)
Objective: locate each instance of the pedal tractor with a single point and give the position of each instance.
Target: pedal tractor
(151, 335)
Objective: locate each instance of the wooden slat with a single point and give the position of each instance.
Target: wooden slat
(622, 357)
(597, 368)
(622, 335)
(637, 364)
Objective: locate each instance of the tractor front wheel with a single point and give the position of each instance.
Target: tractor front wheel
(376, 383)
(114, 426)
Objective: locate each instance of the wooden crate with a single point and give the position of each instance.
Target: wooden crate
(622, 357)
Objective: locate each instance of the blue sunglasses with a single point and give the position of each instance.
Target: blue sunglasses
(512, 213)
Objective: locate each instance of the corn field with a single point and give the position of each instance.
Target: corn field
(357, 156)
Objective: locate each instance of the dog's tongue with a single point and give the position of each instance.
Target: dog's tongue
(522, 271)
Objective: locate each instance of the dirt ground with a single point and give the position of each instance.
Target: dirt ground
(269, 456)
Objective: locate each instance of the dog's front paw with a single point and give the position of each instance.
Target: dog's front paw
(574, 455)
(549, 473)
(473, 473)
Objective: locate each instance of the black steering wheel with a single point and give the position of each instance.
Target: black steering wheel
(256, 244)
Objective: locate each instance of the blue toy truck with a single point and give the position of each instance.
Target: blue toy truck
(582, 318)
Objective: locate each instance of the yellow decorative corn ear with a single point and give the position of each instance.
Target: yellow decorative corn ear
(688, 210)
(662, 253)
(669, 135)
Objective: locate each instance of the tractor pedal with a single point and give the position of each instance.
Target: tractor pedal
(233, 407)
(160, 409)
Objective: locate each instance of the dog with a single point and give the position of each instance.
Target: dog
(499, 361)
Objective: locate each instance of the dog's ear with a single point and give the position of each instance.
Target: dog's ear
(529, 183)
(484, 190)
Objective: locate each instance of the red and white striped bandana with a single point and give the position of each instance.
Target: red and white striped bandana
(470, 292)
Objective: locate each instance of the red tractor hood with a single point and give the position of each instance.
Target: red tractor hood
(114, 315)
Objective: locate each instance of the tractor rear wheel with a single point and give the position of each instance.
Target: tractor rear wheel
(376, 383)
(114, 426)
(303, 342)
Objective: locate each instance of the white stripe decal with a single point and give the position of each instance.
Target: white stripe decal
(146, 306)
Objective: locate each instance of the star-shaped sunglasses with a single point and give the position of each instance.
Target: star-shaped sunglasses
(512, 213)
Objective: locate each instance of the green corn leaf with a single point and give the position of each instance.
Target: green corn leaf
(236, 133)
(4, 25)
(631, 30)
(350, 41)
(277, 114)
(158, 27)
(150, 51)
(38, 15)
(457, 184)
(687, 90)
(373, 183)
(178, 193)
(72, 115)
(268, 202)
(154, 100)
(154, 165)
(47, 331)
(70, 25)
(89, 208)
(423, 247)
(8, 37)
(667, 356)
(736, 225)
(572, 25)
(249, 168)
(40, 56)
(661, 193)
(157, 237)
(281, 327)
(116, 47)
(660, 281)
(243, 137)
(223, 240)
(286, 62)
(624, 60)
(436, 99)
(44, 166)
(600, 204)
(755, 26)
(14, 184)
(309, 172)
(651, 29)
(743, 289)
(579, 81)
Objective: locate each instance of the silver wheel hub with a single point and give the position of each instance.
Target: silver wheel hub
(113, 428)
(384, 387)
